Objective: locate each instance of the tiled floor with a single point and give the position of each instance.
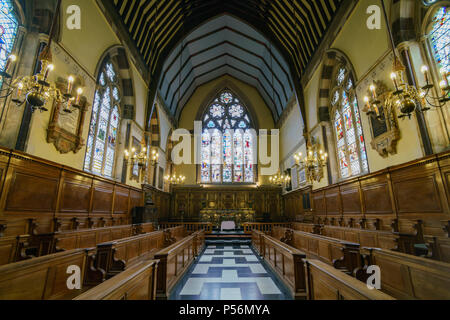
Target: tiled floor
(230, 272)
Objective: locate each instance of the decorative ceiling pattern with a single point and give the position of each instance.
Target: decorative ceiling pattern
(294, 27)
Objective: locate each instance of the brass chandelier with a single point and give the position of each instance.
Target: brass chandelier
(36, 90)
(405, 98)
(279, 179)
(175, 179)
(313, 163)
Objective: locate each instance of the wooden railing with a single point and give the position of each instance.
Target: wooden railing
(285, 260)
(190, 227)
(339, 286)
(114, 256)
(174, 262)
(263, 227)
(135, 283)
(341, 254)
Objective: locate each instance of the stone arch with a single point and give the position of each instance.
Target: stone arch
(332, 58)
(227, 84)
(119, 57)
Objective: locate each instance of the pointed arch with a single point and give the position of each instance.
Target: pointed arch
(338, 105)
(113, 100)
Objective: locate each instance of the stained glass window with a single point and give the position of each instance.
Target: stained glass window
(104, 127)
(227, 142)
(350, 144)
(8, 31)
(440, 38)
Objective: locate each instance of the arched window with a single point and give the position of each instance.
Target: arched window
(440, 38)
(227, 142)
(350, 145)
(8, 31)
(103, 131)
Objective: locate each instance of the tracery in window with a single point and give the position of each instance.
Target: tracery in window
(103, 130)
(440, 38)
(227, 142)
(350, 144)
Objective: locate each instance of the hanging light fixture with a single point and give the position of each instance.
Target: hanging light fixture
(36, 90)
(405, 98)
(313, 163)
(279, 179)
(140, 159)
(175, 179)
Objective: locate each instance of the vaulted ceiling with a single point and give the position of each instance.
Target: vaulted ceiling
(292, 31)
(225, 45)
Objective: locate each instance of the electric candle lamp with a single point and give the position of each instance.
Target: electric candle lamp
(12, 58)
(394, 80)
(70, 81)
(374, 92)
(444, 76)
(50, 67)
(425, 73)
(19, 89)
(79, 93)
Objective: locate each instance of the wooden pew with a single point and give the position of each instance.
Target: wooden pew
(365, 237)
(263, 227)
(12, 249)
(307, 227)
(113, 257)
(286, 261)
(87, 238)
(190, 227)
(174, 262)
(341, 254)
(43, 278)
(135, 283)
(438, 248)
(326, 283)
(408, 277)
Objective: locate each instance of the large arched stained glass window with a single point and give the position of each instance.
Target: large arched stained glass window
(227, 142)
(440, 38)
(8, 31)
(103, 131)
(351, 149)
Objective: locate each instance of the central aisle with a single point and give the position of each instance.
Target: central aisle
(229, 272)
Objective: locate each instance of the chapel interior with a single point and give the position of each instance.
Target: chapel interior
(224, 150)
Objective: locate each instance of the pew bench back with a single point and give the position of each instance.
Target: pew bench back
(326, 283)
(135, 283)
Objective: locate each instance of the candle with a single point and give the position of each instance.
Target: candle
(444, 75)
(79, 93)
(12, 58)
(443, 85)
(19, 89)
(374, 92)
(425, 73)
(394, 79)
(50, 67)
(70, 84)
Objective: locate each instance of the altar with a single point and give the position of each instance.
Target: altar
(226, 219)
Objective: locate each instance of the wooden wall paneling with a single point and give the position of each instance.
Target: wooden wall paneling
(351, 203)
(420, 194)
(121, 198)
(74, 198)
(30, 191)
(103, 198)
(378, 201)
(333, 205)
